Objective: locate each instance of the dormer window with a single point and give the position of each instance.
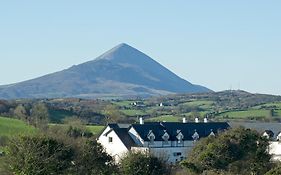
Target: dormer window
(179, 137)
(166, 137)
(279, 137)
(212, 134)
(151, 136)
(195, 136)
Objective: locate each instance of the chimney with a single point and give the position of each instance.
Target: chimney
(141, 120)
(205, 120)
(196, 120)
(184, 120)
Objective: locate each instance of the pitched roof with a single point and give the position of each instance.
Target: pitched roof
(172, 128)
(122, 132)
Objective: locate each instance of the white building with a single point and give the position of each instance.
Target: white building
(167, 140)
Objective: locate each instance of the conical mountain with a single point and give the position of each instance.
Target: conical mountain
(121, 72)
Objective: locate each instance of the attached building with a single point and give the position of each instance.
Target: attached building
(170, 141)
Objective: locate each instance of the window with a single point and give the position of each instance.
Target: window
(180, 137)
(165, 138)
(110, 139)
(151, 137)
(195, 136)
(177, 154)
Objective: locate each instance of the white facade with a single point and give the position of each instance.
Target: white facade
(170, 151)
(170, 142)
(275, 150)
(112, 144)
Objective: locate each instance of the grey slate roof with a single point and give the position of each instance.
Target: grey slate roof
(172, 128)
(122, 132)
(159, 128)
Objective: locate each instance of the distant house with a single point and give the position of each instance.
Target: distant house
(167, 140)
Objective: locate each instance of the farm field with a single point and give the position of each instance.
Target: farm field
(167, 118)
(245, 114)
(11, 127)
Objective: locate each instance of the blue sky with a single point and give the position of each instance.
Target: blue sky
(219, 44)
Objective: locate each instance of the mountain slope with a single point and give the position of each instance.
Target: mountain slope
(122, 71)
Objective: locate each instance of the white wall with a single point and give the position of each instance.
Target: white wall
(116, 148)
(275, 150)
(171, 155)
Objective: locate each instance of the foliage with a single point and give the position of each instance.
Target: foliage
(240, 151)
(274, 171)
(142, 164)
(38, 155)
(40, 115)
(92, 159)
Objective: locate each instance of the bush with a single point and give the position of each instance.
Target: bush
(142, 164)
(237, 151)
(38, 155)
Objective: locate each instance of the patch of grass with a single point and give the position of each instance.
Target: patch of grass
(95, 129)
(245, 114)
(276, 105)
(11, 127)
(133, 112)
(57, 116)
(167, 118)
(125, 103)
(200, 103)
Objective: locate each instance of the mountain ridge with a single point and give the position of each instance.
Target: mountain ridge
(121, 71)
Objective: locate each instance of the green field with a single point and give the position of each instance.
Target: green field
(199, 103)
(167, 118)
(10, 127)
(255, 113)
(133, 112)
(95, 129)
(124, 103)
(276, 105)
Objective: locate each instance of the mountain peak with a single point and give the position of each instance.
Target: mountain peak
(123, 71)
(120, 52)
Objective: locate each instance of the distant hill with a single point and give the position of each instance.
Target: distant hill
(121, 72)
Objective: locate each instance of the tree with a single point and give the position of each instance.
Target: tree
(92, 159)
(38, 155)
(238, 151)
(142, 164)
(40, 115)
(20, 112)
(112, 113)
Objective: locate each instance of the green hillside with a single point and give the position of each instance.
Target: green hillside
(10, 127)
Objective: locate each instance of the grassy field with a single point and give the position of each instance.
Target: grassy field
(133, 112)
(10, 127)
(199, 103)
(255, 113)
(124, 103)
(276, 105)
(95, 129)
(167, 118)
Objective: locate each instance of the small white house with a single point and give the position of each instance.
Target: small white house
(170, 141)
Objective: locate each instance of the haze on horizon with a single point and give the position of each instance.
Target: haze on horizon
(218, 44)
